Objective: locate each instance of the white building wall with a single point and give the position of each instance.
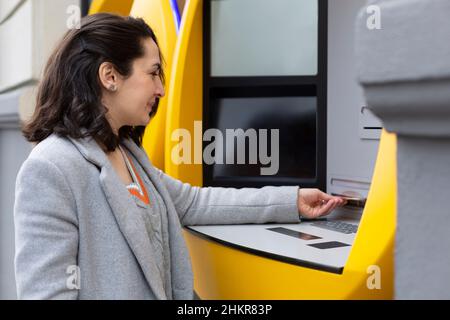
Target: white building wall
(29, 30)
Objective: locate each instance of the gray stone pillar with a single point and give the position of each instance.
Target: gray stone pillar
(404, 68)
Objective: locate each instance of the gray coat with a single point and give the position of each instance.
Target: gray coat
(74, 218)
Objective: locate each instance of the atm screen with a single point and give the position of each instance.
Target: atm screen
(295, 118)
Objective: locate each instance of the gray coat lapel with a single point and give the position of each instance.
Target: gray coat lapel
(124, 208)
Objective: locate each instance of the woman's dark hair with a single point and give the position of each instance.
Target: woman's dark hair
(69, 95)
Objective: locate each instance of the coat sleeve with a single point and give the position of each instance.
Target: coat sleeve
(213, 205)
(46, 233)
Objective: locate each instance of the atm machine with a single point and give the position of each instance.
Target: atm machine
(225, 77)
(239, 65)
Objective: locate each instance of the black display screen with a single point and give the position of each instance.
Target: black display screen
(295, 118)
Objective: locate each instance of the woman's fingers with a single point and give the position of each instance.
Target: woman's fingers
(330, 205)
(322, 204)
(339, 201)
(325, 196)
(334, 204)
(326, 208)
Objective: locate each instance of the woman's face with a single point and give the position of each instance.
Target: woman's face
(133, 98)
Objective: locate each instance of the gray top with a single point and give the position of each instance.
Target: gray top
(156, 225)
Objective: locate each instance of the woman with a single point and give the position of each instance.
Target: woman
(80, 234)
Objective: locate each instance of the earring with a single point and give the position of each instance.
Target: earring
(112, 88)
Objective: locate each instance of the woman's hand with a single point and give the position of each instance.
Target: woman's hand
(313, 203)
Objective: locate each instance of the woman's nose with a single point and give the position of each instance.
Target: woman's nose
(160, 89)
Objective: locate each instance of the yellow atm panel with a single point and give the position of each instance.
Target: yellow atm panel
(158, 14)
(121, 7)
(185, 94)
(222, 272)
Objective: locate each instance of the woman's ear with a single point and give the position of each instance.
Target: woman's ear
(109, 78)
